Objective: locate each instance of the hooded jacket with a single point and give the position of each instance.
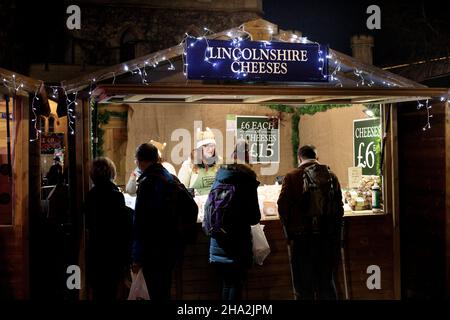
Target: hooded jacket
(237, 246)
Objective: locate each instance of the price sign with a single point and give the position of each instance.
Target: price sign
(262, 134)
(366, 145)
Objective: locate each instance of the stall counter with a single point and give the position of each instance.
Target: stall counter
(268, 197)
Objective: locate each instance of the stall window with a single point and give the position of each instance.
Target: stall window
(127, 46)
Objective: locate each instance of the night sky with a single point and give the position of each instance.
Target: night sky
(410, 30)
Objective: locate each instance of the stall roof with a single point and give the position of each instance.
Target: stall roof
(269, 94)
(356, 82)
(14, 81)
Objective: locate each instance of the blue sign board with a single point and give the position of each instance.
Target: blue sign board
(256, 61)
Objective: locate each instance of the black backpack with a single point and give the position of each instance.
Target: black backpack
(319, 214)
(183, 210)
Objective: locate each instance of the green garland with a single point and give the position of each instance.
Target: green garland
(102, 119)
(297, 112)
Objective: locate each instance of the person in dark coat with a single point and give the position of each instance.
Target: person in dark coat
(108, 225)
(314, 255)
(55, 173)
(156, 247)
(233, 254)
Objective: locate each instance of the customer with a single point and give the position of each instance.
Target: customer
(55, 173)
(234, 198)
(131, 186)
(157, 237)
(310, 207)
(108, 224)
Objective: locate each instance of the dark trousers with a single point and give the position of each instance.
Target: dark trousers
(105, 283)
(158, 276)
(232, 276)
(313, 260)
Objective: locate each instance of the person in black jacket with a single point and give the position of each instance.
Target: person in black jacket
(55, 173)
(156, 247)
(108, 224)
(232, 254)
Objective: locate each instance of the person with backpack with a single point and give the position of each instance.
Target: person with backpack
(230, 211)
(165, 217)
(311, 209)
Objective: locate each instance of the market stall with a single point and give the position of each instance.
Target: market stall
(129, 114)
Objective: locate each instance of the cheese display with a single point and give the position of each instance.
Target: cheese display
(267, 197)
(361, 198)
(355, 199)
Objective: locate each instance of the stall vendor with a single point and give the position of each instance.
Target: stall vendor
(131, 186)
(199, 171)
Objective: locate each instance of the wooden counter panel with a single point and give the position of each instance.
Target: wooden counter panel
(272, 281)
(12, 286)
(369, 241)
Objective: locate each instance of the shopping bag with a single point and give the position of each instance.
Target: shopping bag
(261, 248)
(138, 290)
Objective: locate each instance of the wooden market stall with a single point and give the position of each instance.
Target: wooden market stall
(136, 113)
(123, 106)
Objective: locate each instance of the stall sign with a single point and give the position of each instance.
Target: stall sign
(263, 136)
(256, 61)
(51, 141)
(366, 145)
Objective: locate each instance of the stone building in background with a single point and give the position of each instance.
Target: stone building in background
(113, 31)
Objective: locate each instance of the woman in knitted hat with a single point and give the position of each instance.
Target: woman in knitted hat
(199, 171)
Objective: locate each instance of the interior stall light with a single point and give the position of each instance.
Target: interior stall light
(369, 113)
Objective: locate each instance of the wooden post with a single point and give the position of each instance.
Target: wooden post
(81, 147)
(33, 166)
(447, 194)
(95, 131)
(395, 206)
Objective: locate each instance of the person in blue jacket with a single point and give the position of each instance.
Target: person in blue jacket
(232, 254)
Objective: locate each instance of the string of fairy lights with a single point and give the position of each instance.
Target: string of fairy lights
(236, 36)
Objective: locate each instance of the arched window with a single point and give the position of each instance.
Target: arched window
(127, 46)
(51, 124)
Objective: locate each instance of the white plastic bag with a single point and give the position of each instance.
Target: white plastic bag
(261, 248)
(138, 290)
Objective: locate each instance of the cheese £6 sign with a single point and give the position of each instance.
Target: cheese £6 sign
(256, 61)
(366, 145)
